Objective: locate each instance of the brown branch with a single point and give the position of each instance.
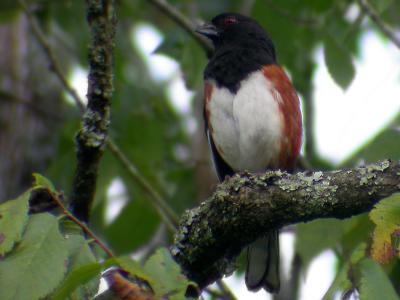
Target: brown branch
(163, 209)
(247, 205)
(120, 286)
(157, 201)
(82, 225)
(14, 99)
(55, 66)
(374, 16)
(183, 22)
(92, 136)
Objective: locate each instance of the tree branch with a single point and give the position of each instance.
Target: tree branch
(55, 66)
(370, 11)
(83, 226)
(159, 203)
(183, 22)
(92, 136)
(247, 205)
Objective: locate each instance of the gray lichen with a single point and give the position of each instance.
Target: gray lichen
(242, 209)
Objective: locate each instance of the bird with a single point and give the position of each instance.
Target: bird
(252, 120)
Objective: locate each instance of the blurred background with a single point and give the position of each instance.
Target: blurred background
(345, 69)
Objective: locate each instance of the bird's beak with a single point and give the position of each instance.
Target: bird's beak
(208, 30)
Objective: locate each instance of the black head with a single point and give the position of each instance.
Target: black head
(235, 30)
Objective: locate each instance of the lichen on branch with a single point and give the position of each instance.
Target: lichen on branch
(92, 136)
(246, 206)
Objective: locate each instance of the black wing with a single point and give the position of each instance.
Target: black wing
(221, 167)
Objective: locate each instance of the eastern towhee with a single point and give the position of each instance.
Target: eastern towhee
(253, 120)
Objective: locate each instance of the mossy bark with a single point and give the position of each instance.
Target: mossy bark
(245, 206)
(92, 136)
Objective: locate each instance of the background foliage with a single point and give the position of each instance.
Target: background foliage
(38, 126)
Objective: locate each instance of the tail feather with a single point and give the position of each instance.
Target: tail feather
(263, 263)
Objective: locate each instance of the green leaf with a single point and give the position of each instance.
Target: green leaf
(339, 62)
(386, 216)
(37, 265)
(81, 276)
(358, 231)
(167, 276)
(13, 218)
(161, 272)
(192, 63)
(374, 282)
(342, 282)
(317, 236)
(136, 214)
(77, 277)
(381, 5)
(43, 182)
(9, 11)
(133, 267)
(358, 254)
(80, 254)
(318, 5)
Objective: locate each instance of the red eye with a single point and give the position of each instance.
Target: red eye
(230, 21)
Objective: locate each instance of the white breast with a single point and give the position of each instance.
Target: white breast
(246, 126)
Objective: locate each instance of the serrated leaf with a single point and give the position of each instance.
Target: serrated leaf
(374, 283)
(37, 265)
(43, 182)
(80, 254)
(339, 62)
(13, 218)
(386, 216)
(81, 276)
(134, 268)
(167, 276)
(77, 277)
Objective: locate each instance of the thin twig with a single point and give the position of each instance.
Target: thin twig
(82, 225)
(291, 283)
(226, 292)
(164, 210)
(183, 22)
(309, 126)
(55, 66)
(168, 217)
(374, 16)
(214, 293)
(13, 99)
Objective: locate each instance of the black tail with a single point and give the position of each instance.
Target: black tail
(263, 263)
